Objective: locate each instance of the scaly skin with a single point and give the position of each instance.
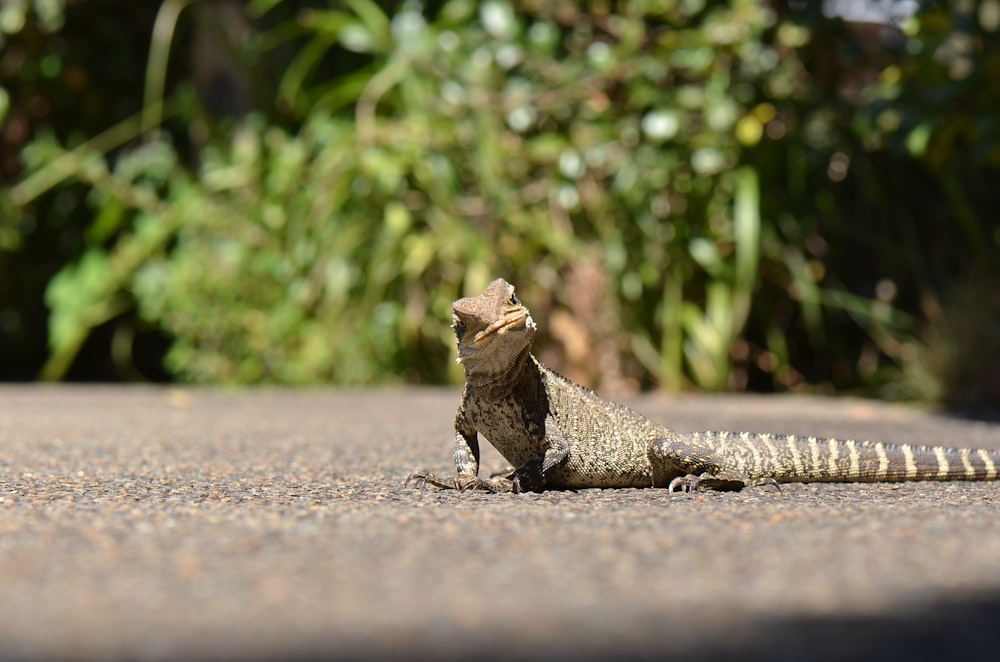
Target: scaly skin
(560, 435)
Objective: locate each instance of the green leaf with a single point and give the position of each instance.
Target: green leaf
(373, 19)
(80, 297)
(328, 22)
(918, 139)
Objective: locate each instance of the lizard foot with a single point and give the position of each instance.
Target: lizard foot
(462, 483)
(528, 477)
(706, 481)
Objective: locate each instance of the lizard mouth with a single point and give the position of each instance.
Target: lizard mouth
(512, 322)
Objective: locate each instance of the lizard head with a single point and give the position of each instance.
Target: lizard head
(493, 330)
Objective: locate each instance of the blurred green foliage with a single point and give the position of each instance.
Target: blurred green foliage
(771, 197)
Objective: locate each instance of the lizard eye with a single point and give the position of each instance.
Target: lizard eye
(514, 301)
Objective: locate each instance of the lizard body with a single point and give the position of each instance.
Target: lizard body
(560, 435)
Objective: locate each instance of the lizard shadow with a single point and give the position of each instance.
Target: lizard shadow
(958, 628)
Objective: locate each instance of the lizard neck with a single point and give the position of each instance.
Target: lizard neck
(498, 384)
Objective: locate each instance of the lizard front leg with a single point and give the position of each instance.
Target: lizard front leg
(529, 477)
(466, 454)
(532, 475)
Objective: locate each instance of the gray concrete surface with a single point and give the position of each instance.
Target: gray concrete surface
(160, 524)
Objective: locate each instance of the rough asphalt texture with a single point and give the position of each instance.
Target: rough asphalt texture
(148, 524)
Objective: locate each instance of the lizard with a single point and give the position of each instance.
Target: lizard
(557, 434)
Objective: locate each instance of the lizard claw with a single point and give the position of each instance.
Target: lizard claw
(764, 482)
(421, 479)
(688, 483)
(468, 483)
(493, 485)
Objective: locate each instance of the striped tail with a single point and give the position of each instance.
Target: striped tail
(793, 459)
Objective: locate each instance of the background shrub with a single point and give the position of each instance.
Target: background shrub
(731, 195)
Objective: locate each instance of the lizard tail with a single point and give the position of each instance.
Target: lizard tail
(789, 458)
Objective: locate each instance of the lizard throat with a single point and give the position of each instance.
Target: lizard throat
(495, 370)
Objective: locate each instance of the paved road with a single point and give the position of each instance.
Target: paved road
(150, 524)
